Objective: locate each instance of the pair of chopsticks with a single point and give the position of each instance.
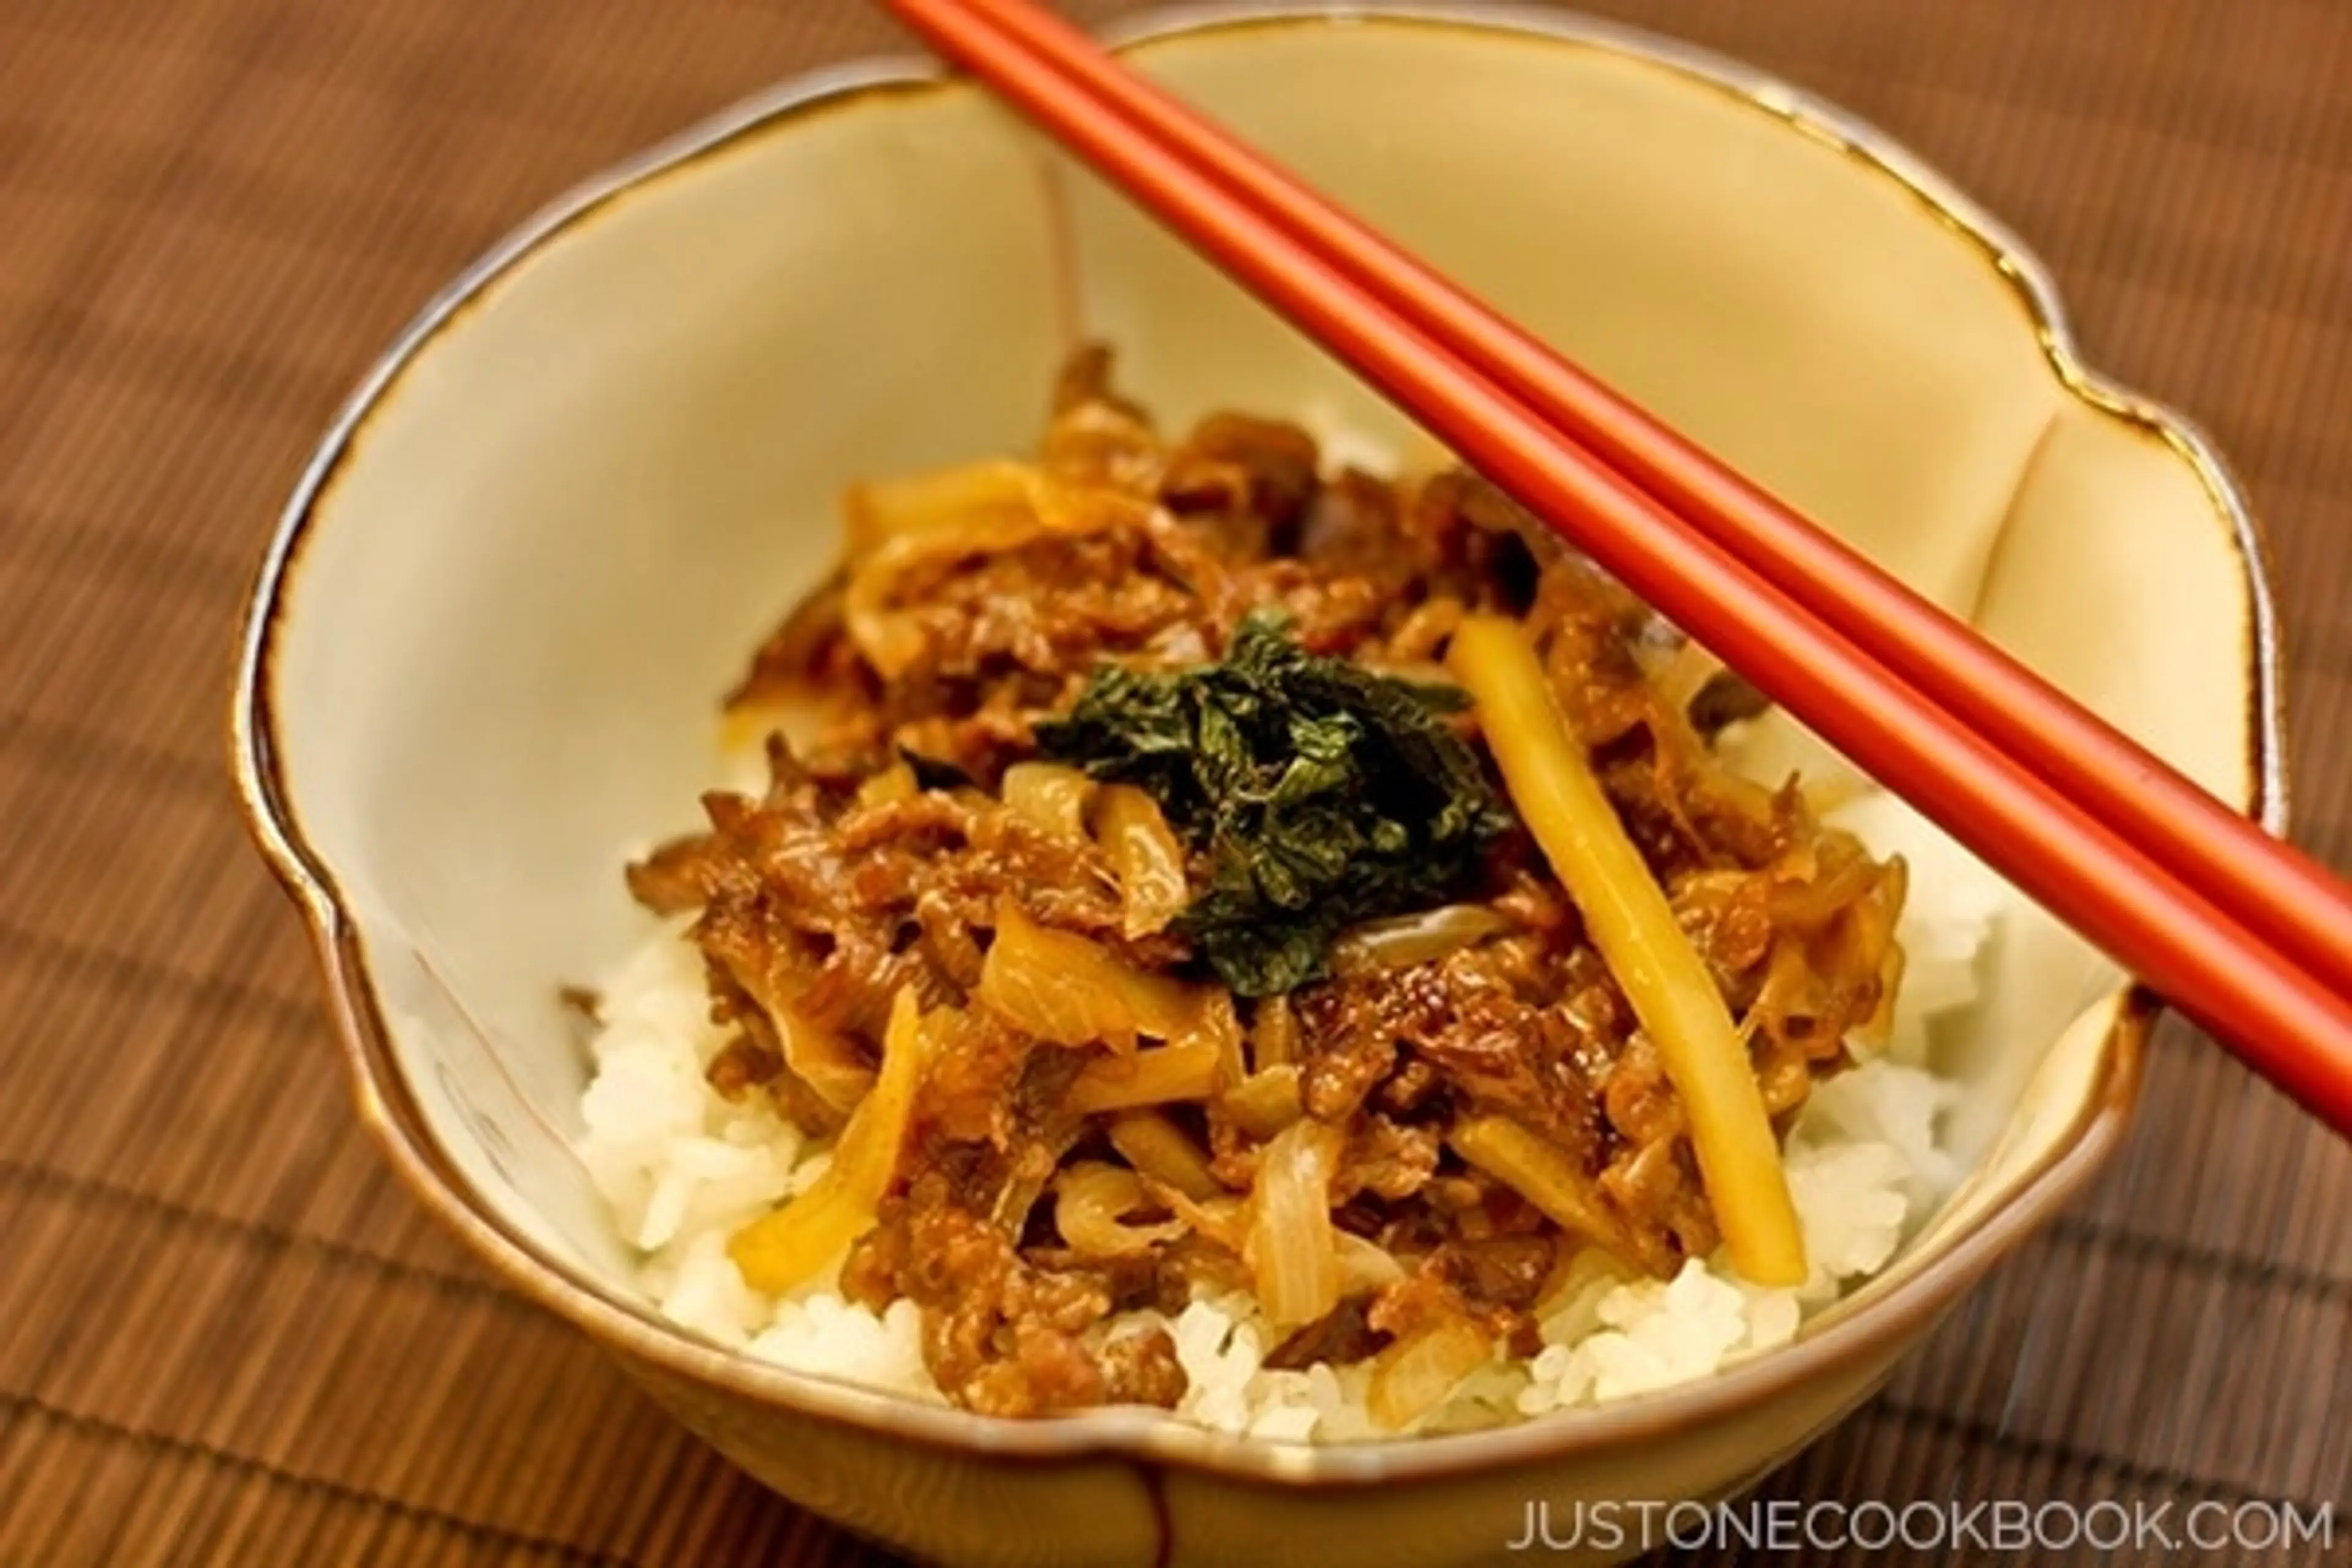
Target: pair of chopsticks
(2240, 932)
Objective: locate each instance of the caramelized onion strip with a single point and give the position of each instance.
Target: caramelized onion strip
(793, 1244)
(1092, 1202)
(1161, 1076)
(1159, 1149)
(1292, 1251)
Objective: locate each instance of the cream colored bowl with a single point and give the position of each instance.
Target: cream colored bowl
(484, 652)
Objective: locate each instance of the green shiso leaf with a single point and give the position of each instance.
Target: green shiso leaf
(1319, 794)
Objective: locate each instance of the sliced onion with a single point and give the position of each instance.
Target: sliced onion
(1091, 1203)
(877, 512)
(1292, 1251)
(1213, 1021)
(1578, 1271)
(1223, 1220)
(1144, 854)
(1412, 1376)
(1064, 508)
(793, 1244)
(1072, 991)
(1159, 1149)
(892, 639)
(821, 1058)
(1050, 798)
(1265, 1102)
(1875, 1031)
(1541, 1175)
(1094, 443)
(1274, 1033)
(867, 1154)
(1365, 1265)
(1407, 940)
(1842, 874)
(1162, 1076)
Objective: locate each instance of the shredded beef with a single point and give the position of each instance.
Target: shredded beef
(879, 858)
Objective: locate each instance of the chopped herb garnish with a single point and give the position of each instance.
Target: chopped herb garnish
(1322, 794)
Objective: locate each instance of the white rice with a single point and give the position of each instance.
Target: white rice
(683, 1168)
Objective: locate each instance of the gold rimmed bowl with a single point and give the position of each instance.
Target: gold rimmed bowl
(481, 657)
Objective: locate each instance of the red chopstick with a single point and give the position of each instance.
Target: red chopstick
(2288, 897)
(2157, 873)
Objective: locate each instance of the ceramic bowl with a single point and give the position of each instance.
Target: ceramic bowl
(484, 652)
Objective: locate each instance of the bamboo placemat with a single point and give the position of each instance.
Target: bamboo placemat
(227, 1336)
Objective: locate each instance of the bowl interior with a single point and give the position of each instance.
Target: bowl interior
(587, 491)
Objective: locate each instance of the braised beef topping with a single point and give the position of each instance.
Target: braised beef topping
(1244, 644)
